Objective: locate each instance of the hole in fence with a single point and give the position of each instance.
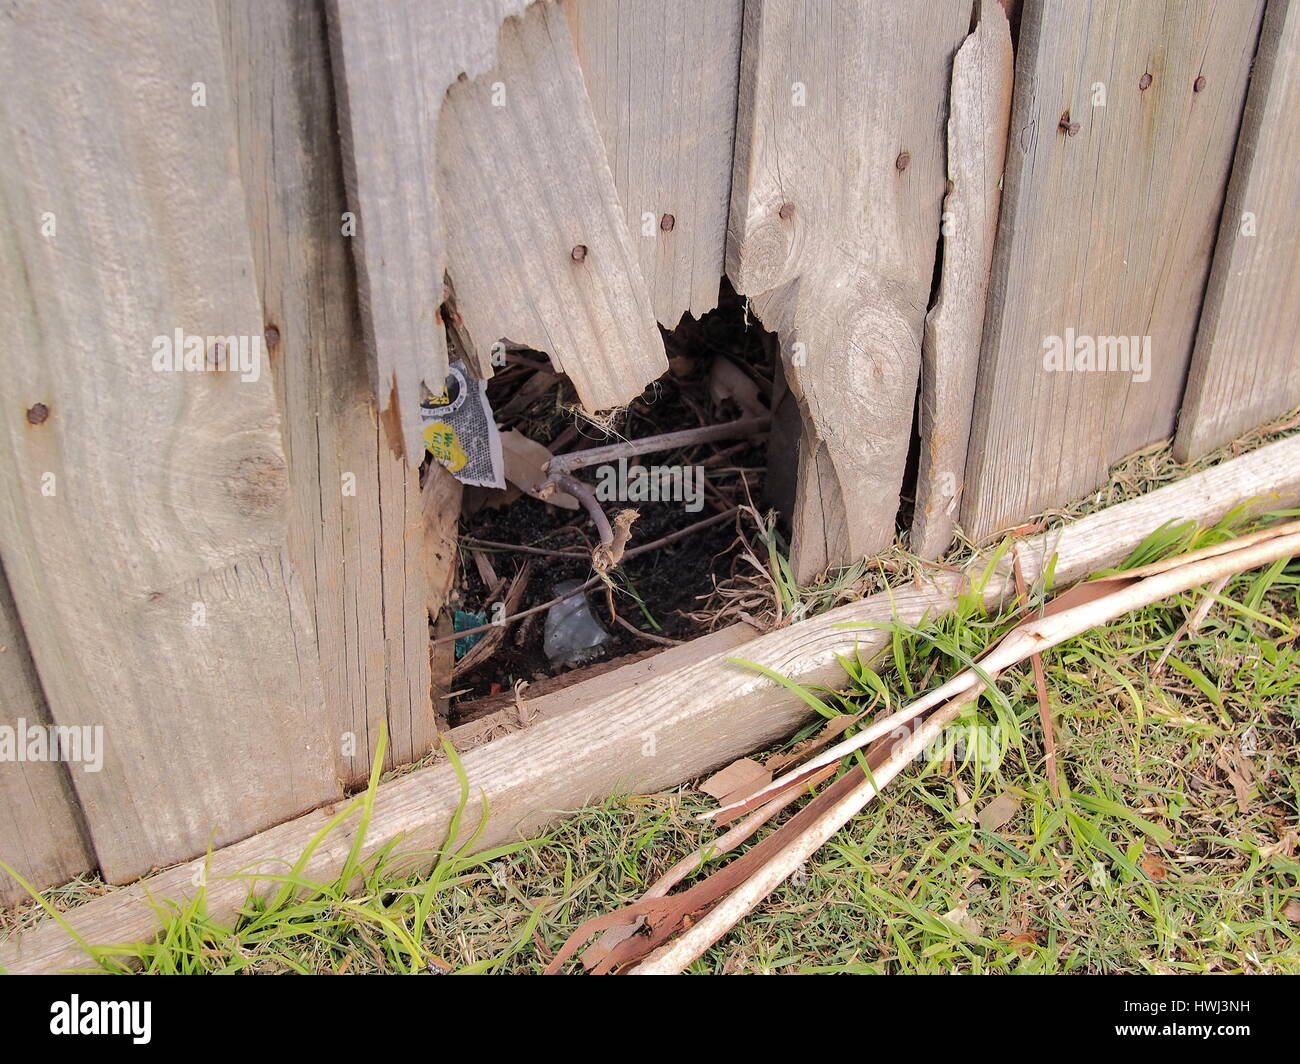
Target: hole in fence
(684, 571)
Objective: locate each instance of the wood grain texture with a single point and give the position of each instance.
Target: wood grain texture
(143, 518)
(979, 110)
(42, 836)
(357, 526)
(393, 61)
(662, 80)
(698, 714)
(1107, 233)
(520, 157)
(1246, 367)
(837, 185)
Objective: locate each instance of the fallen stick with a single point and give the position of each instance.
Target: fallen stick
(677, 955)
(1046, 632)
(668, 441)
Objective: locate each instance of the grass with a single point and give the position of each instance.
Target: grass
(1173, 847)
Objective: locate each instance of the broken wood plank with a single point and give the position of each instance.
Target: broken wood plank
(1245, 369)
(979, 111)
(393, 61)
(837, 189)
(1123, 123)
(42, 836)
(537, 248)
(142, 475)
(662, 82)
(373, 556)
(677, 725)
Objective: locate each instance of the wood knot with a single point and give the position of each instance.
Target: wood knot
(259, 484)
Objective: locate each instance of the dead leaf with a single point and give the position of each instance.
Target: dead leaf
(965, 811)
(1291, 910)
(998, 812)
(525, 462)
(962, 919)
(1239, 773)
(1024, 943)
(1285, 846)
(1155, 868)
(737, 781)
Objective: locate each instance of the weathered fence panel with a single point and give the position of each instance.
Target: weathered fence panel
(1106, 231)
(356, 522)
(836, 192)
(662, 80)
(143, 507)
(537, 247)
(1246, 367)
(979, 110)
(393, 61)
(41, 833)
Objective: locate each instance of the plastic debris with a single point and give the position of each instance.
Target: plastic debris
(573, 635)
(459, 622)
(459, 430)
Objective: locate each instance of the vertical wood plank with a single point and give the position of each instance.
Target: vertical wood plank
(837, 187)
(356, 516)
(662, 80)
(41, 833)
(1103, 234)
(1245, 368)
(979, 111)
(393, 61)
(143, 509)
(537, 247)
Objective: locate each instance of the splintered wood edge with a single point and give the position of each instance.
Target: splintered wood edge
(702, 710)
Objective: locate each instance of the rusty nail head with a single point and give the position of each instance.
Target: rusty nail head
(37, 414)
(786, 212)
(272, 336)
(1199, 83)
(1067, 127)
(578, 253)
(1145, 82)
(903, 159)
(667, 222)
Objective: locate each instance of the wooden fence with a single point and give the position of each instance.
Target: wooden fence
(231, 573)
